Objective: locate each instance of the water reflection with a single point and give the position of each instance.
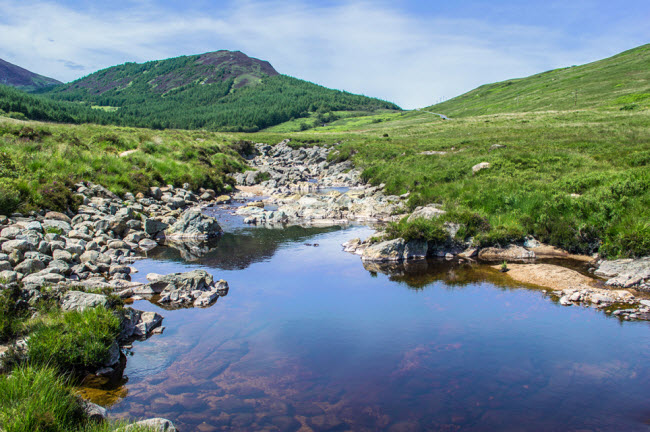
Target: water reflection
(309, 339)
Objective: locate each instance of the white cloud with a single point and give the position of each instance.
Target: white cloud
(362, 47)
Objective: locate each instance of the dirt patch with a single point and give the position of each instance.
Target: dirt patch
(549, 276)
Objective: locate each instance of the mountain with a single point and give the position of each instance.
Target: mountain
(222, 90)
(15, 76)
(618, 82)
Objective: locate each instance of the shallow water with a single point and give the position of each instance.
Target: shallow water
(309, 338)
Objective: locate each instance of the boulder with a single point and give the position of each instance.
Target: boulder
(426, 212)
(194, 224)
(78, 300)
(391, 250)
(479, 167)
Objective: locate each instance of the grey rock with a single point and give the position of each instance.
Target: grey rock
(29, 266)
(16, 245)
(53, 223)
(146, 323)
(113, 354)
(8, 276)
(511, 253)
(94, 412)
(427, 212)
(42, 278)
(154, 227)
(626, 272)
(62, 255)
(391, 250)
(479, 167)
(5, 266)
(78, 300)
(194, 224)
(154, 424)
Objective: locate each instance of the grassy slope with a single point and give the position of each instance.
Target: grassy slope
(603, 156)
(616, 82)
(34, 155)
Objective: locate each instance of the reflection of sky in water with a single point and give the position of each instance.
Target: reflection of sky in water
(308, 338)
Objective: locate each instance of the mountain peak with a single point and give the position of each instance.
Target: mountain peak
(15, 76)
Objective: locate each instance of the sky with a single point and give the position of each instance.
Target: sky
(411, 52)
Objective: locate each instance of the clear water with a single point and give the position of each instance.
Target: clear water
(308, 339)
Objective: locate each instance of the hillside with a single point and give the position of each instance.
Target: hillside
(619, 82)
(222, 90)
(15, 76)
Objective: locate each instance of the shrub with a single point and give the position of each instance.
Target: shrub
(74, 340)
(10, 196)
(57, 196)
(431, 230)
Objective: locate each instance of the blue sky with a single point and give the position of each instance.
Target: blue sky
(410, 52)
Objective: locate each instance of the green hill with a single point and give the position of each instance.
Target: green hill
(223, 90)
(620, 82)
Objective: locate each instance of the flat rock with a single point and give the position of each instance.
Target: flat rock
(511, 253)
(78, 300)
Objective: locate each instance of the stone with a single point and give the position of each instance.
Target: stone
(194, 224)
(391, 250)
(625, 272)
(146, 323)
(154, 425)
(94, 412)
(8, 276)
(479, 167)
(79, 301)
(511, 253)
(29, 266)
(16, 245)
(415, 249)
(114, 354)
(147, 244)
(154, 227)
(426, 212)
(42, 278)
(5, 266)
(60, 225)
(62, 255)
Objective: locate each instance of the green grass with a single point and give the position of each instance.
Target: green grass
(38, 399)
(73, 341)
(616, 82)
(602, 156)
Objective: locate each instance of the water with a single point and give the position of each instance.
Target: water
(308, 339)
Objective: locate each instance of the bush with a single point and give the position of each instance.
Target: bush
(431, 230)
(57, 196)
(10, 196)
(74, 340)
